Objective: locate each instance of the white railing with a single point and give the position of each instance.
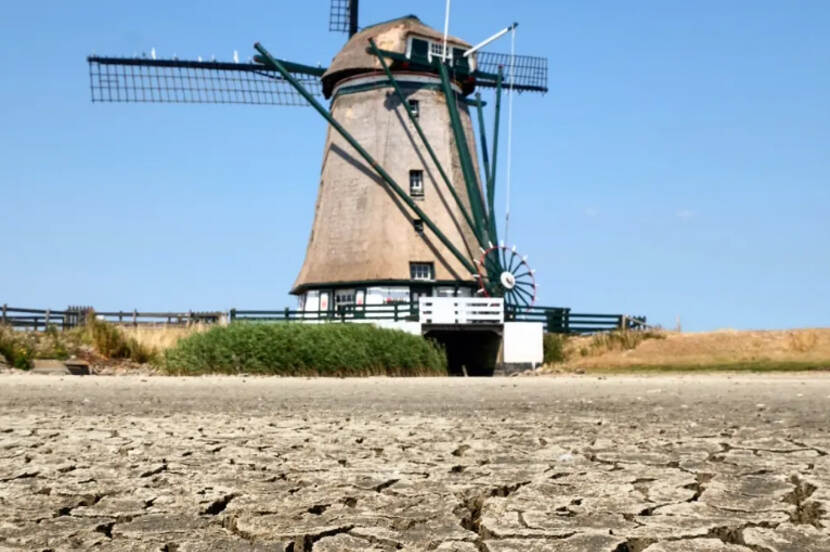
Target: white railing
(460, 310)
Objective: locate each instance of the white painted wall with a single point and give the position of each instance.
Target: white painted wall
(523, 342)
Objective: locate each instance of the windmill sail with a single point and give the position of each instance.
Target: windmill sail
(530, 73)
(343, 16)
(114, 79)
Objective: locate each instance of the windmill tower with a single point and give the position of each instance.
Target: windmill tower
(403, 208)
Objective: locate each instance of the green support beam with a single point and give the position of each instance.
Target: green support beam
(473, 190)
(491, 188)
(420, 131)
(296, 67)
(465, 262)
(492, 177)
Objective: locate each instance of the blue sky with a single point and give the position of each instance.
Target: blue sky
(679, 167)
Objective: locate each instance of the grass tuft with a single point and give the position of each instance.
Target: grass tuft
(305, 350)
(620, 340)
(111, 342)
(553, 346)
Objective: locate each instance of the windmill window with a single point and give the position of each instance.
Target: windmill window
(344, 299)
(436, 49)
(416, 183)
(418, 224)
(415, 108)
(422, 271)
(419, 49)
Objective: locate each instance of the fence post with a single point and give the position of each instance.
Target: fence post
(286, 314)
(135, 318)
(120, 317)
(396, 312)
(5, 308)
(233, 315)
(621, 323)
(46, 323)
(189, 317)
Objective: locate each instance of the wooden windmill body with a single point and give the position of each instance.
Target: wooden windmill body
(365, 246)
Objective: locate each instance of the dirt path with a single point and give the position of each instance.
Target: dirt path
(619, 464)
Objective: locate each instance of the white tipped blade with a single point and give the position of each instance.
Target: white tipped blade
(524, 259)
(513, 249)
(533, 271)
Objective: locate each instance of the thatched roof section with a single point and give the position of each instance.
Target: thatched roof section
(391, 35)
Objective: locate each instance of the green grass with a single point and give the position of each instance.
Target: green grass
(305, 350)
(18, 352)
(553, 347)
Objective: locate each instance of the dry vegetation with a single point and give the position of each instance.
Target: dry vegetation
(807, 349)
(97, 342)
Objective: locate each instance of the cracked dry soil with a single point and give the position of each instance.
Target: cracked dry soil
(624, 464)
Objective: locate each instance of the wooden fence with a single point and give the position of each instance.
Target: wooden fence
(555, 319)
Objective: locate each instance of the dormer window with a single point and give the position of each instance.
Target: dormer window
(425, 51)
(436, 49)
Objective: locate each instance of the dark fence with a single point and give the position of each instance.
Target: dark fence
(392, 311)
(562, 320)
(40, 319)
(555, 319)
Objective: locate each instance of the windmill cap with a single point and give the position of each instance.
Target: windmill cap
(391, 35)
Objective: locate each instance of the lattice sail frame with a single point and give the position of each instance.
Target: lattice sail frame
(142, 80)
(339, 16)
(530, 73)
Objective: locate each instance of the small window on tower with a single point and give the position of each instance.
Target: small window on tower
(415, 108)
(416, 183)
(421, 271)
(418, 224)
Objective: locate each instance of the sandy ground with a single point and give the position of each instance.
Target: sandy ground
(712, 463)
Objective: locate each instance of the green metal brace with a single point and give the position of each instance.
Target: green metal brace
(491, 185)
(492, 178)
(366, 156)
(429, 149)
(473, 190)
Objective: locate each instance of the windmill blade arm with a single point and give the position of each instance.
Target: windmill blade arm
(530, 73)
(114, 79)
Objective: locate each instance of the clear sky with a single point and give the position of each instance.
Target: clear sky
(679, 167)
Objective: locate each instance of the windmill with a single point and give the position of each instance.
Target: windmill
(404, 208)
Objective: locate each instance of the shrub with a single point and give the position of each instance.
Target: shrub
(553, 346)
(17, 349)
(305, 350)
(109, 341)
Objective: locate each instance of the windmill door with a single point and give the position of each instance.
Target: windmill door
(416, 292)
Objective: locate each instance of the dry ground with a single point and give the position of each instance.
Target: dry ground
(718, 350)
(620, 464)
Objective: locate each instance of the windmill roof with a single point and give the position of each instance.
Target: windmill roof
(389, 35)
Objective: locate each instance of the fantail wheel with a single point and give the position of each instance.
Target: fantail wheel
(502, 272)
